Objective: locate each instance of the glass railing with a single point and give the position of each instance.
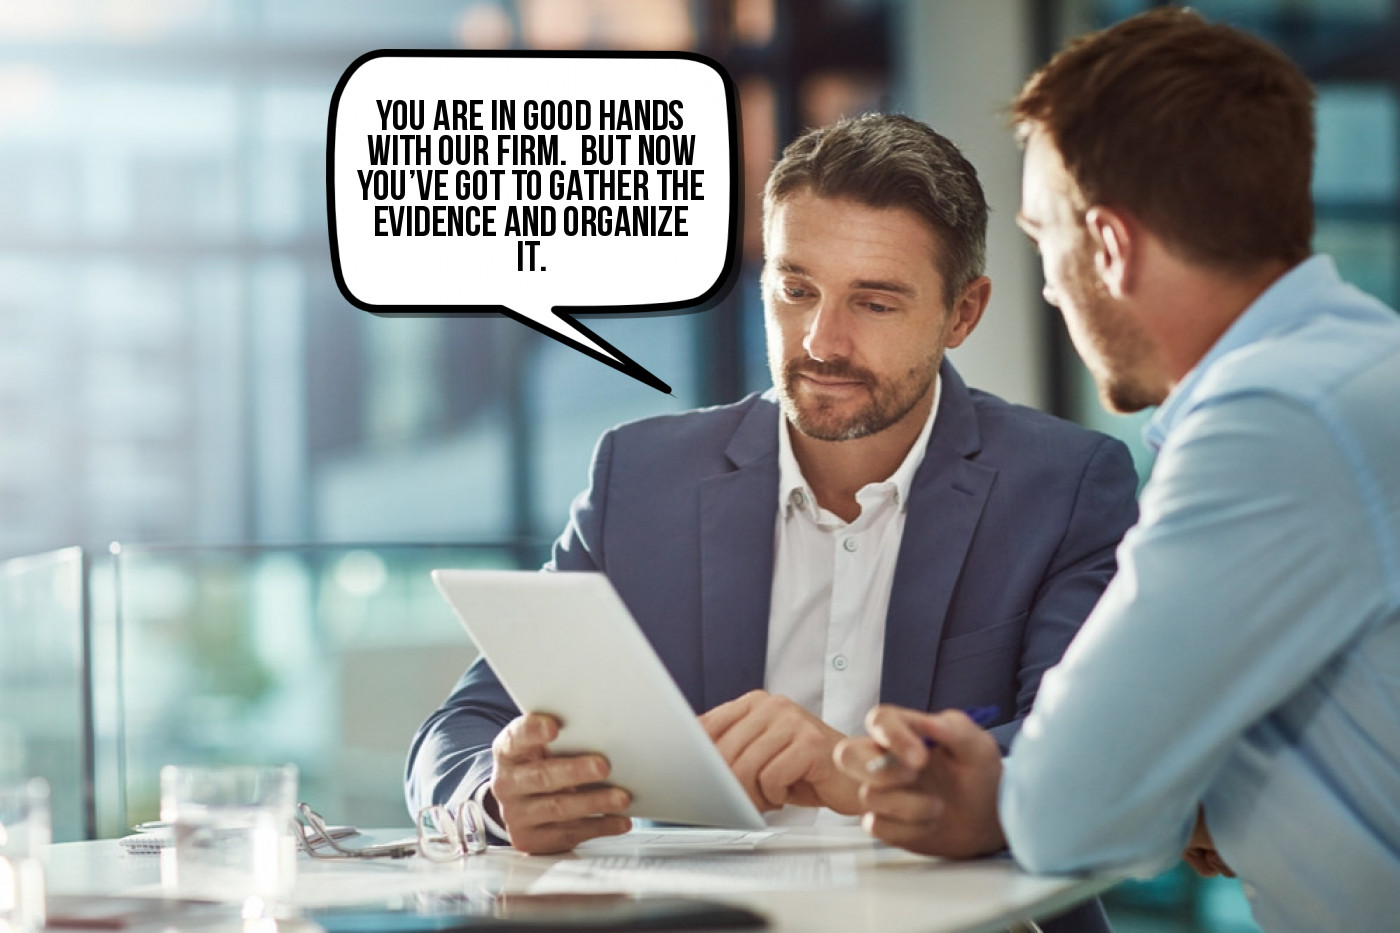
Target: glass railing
(327, 656)
(44, 726)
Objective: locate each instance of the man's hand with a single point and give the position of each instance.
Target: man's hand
(548, 803)
(1200, 851)
(780, 752)
(938, 801)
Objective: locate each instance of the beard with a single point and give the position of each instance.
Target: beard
(1116, 351)
(1123, 394)
(823, 419)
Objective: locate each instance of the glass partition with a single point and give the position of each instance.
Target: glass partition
(327, 656)
(44, 729)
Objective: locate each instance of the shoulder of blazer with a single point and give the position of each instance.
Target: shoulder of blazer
(708, 439)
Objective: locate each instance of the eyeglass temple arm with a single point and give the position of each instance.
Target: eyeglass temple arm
(321, 835)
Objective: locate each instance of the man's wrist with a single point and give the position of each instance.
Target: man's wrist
(489, 808)
(842, 795)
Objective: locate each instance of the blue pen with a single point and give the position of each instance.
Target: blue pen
(980, 715)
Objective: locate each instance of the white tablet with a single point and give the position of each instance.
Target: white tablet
(564, 644)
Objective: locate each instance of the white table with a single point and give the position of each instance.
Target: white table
(857, 884)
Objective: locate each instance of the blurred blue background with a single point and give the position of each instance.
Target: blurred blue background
(176, 364)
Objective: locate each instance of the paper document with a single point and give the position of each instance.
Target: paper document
(676, 838)
(701, 873)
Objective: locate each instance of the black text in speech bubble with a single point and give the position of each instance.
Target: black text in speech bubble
(534, 184)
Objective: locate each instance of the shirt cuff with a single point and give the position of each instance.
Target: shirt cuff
(494, 828)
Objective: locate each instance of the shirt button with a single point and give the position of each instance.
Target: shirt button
(839, 662)
(797, 499)
(850, 545)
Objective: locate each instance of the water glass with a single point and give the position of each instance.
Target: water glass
(24, 832)
(232, 827)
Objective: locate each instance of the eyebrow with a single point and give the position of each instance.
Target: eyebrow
(787, 267)
(894, 288)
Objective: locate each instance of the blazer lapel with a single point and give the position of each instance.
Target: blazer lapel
(946, 500)
(737, 512)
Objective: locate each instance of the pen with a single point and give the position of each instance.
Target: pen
(980, 715)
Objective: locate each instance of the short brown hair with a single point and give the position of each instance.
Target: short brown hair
(888, 160)
(1202, 132)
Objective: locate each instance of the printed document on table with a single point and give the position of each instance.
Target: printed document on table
(700, 873)
(681, 840)
(680, 837)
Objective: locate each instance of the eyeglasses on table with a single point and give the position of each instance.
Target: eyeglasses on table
(443, 833)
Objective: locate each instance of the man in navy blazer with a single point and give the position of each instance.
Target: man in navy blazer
(987, 530)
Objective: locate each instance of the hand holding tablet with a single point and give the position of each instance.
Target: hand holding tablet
(563, 644)
(551, 803)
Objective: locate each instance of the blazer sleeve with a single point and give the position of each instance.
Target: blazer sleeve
(450, 757)
(1105, 507)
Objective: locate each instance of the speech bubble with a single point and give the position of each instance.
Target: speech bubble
(538, 185)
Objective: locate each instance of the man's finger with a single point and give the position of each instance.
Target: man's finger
(547, 775)
(742, 733)
(545, 809)
(952, 731)
(748, 748)
(561, 837)
(902, 805)
(916, 837)
(780, 772)
(761, 743)
(864, 760)
(722, 718)
(737, 736)
(525, 737)
(901, 732)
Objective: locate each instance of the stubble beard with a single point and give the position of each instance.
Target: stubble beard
(1124, 395)
(1122, 354)
(820, 419)
(1124, 364)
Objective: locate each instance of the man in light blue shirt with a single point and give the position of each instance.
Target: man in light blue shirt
(1236, 692)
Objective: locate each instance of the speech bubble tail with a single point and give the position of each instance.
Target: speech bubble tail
(564, 328)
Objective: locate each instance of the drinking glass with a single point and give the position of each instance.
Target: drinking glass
(24, 831)
(232, 827)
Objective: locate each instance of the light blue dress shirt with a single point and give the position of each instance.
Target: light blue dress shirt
(1247, 654)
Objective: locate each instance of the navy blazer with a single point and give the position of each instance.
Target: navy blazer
(1013, 518)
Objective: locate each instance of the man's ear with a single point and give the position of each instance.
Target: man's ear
(1115, 248)
(967, 310)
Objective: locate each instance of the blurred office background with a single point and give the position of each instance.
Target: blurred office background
(179, 373)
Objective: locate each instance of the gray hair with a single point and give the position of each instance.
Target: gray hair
(889, 160)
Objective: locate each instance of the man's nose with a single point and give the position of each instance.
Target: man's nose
(828, 333)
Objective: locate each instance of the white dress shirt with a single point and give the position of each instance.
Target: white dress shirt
(831, 591)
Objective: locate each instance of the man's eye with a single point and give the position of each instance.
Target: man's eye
(878, 308)
(794, 292)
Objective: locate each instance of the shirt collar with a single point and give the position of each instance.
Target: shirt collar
(791, 480)
(1284, 305)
